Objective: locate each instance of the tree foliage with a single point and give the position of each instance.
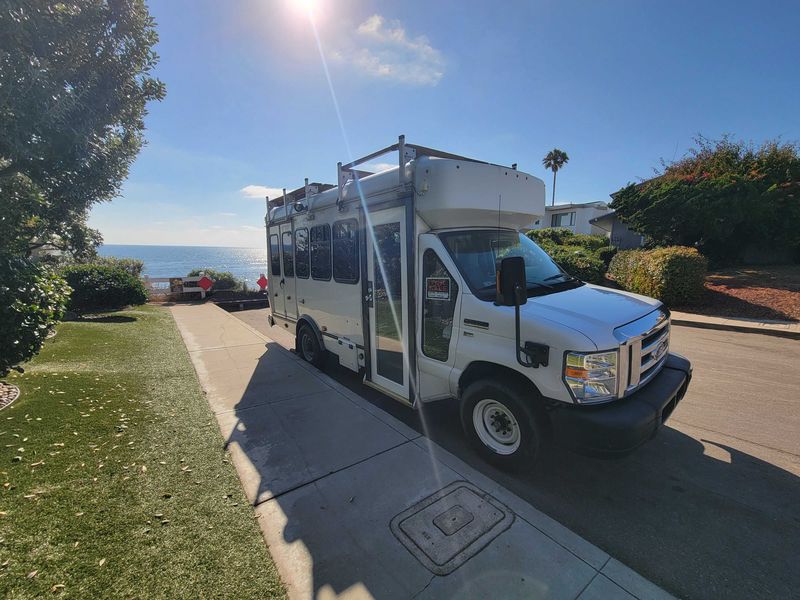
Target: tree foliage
(583, 256)
(729, 199)
(75, 78)
(32, 300)
(555, 161)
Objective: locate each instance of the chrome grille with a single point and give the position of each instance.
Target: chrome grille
(644, 346)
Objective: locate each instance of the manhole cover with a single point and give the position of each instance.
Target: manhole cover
(451, 526)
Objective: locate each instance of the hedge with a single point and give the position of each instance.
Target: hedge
(675, 274)
(584, 256)
(579, 262)
(102, 287)
(32, 300)
(134, 266)
(223, 280)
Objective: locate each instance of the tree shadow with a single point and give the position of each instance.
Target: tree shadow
(698, 517)
(105, 319)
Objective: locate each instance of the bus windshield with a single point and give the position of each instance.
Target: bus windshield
(476, 253)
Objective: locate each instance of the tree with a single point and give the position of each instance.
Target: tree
(75, 79)
(731, 200)
(555, 160)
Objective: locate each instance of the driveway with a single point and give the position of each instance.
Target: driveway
(708, 509)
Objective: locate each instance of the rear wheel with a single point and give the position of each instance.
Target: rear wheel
(309, 347)
(500, 422)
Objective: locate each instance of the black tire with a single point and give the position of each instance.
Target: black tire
(309, 348)
(489, 393)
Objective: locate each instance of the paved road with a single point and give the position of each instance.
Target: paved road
(708, 509)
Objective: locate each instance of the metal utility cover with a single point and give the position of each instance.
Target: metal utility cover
(446, 529)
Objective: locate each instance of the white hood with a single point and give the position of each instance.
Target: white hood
(593, 310)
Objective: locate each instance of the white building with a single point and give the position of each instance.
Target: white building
(575, 217)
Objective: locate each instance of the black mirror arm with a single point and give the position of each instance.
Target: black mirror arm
(532, 354)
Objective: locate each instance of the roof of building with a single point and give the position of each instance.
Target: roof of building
(597, 204)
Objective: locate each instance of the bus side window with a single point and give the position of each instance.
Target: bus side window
(321, 252)
(438, 308)
(301, 263)
(288, 254)
(274, 256)
(345, 251)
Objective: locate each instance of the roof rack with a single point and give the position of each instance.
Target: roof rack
(406, 152)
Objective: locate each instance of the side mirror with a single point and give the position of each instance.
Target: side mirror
(511, 284)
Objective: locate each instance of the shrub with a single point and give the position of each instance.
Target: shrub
(551, 235)
(590, 242)
(606, 253)
(32, 300)
(102, 287)
(134, 266)
(675, 275)
(584, 256)
(579, 262)
(223, 280)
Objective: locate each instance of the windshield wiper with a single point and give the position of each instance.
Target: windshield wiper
(566, 276)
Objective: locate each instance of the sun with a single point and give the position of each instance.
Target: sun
(305, 6)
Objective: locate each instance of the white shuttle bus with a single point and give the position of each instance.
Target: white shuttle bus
(419, 277)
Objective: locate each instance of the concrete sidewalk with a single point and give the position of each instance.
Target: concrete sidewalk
(353, 503)
(776, 328)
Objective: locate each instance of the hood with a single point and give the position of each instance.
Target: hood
(593, 310)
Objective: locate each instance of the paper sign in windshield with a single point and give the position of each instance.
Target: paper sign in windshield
(437, 288)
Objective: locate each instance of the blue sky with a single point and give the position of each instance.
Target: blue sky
(618, 85)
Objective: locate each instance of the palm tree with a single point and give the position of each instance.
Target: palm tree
(554, 160)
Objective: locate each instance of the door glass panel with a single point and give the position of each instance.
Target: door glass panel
(288, 254)
(439, 304)
(388, 299)
(274, 256)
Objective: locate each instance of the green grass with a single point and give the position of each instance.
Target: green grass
(115, 481)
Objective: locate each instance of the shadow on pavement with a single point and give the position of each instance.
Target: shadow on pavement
(697, 517)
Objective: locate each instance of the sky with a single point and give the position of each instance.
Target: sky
(619, 85)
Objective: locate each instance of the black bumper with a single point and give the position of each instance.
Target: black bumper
(619, 427)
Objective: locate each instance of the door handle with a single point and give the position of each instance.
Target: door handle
(282, 282)
(368, 296)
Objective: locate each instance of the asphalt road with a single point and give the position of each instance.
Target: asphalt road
(708, 509)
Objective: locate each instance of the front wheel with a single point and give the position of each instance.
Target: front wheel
(500, 424)
(309, 347)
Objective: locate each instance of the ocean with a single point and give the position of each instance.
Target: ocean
(176, 261)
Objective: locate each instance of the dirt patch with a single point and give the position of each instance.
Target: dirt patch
(769, 293)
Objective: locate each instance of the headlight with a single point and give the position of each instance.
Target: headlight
(591, 377)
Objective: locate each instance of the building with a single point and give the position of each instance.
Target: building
(575, 217)
(617, 231)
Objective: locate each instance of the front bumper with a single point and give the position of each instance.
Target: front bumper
(619, 427)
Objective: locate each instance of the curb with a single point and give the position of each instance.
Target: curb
(724, 325)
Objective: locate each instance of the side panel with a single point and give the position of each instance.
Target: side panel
(439, 317)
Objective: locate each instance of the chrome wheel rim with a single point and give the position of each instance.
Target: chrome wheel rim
(496, 426)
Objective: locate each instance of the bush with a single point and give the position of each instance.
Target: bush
(579, 262)
(134, 266)
(584, 256)
(223, 280)
(675, 275)
(551, 235)
(605, 254)
(102, 287)
(32, 300)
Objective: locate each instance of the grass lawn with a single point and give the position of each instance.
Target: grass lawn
(115, 481)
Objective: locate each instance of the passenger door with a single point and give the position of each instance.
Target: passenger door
(439, 318)
(388, 301)
(288, 281)
(276, 284)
